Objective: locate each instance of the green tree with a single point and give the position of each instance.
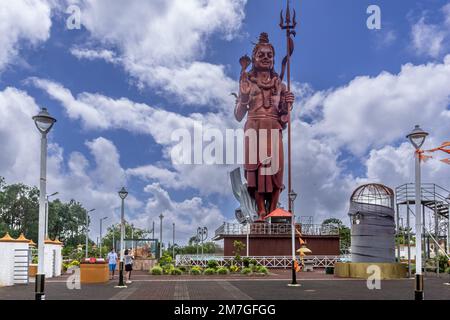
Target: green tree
(344, 232)
(137, 233)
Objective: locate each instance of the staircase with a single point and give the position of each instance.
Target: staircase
(434, 197)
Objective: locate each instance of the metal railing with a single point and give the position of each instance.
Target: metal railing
(431, 194)
(282, 262)
(275, 228)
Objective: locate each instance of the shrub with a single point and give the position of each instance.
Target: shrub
(196, 271)
(237, 260)
(246, 262)
(74, 263)
(156, 271)
(168, 268)
(222, 270)
(254, 267)
(176, 272)
(253, 261)
(262, 269)
(213, 264)
(443, 263)
(234, 268)
(165, 260)
(183, 268)
(209, 271)
(246, 271)
(447, 270)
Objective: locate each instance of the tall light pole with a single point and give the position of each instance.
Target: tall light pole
(160, 234)
(132, 238)
(101, 220)
(113, 237)
(248, 235)
(87, 233)
(122, 194)
(44, 122)
(173, 241)
(448, 225)
(292, 196)
(202, 234)
(46, 212)
(417, 138)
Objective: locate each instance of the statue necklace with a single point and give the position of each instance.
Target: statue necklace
(264, 86)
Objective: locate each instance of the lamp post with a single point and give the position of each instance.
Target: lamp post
(113, 238)
(173, 241)
(160, 234)
(448, 225)
(292, 196)
(202, 234)
(122, 194)
(417, 138)
(46, 212)
(248, 235)
(44, 122)
(132, 238)
(87, 232)
(101, 220)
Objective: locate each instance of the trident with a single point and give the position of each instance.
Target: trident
(288, 25)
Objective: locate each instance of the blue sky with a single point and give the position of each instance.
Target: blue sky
(356, 99)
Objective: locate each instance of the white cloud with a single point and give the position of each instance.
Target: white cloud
(22, 22)
(161, 44)
(428, 39)
(20, 138)
(187, 214)
(431, 39)
(107, 55)
(371, 112)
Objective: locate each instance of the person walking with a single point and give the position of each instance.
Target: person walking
(128, 259)
(112, 262)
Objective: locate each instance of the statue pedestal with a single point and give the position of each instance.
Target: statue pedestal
(275, 239)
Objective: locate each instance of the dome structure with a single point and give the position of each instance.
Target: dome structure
(374, 193)
(373, 224)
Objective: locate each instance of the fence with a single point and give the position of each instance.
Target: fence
(282, 262)
(275, 228)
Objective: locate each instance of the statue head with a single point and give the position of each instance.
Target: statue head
(263, 55)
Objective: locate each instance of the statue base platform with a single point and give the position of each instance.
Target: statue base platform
(359, 270)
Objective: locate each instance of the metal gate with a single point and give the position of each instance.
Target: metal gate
(21, 265)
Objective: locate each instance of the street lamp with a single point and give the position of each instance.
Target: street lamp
(292, 196)
(44, 122)
(87, 232)
(46, 212)
(101, 220)
(132, 238)
(160, 234)
(123, 193)
(173, 241)
(202, 234)
(417, 138)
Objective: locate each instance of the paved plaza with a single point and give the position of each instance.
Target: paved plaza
(314, 286)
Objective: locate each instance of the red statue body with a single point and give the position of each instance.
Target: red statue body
(265, 100)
